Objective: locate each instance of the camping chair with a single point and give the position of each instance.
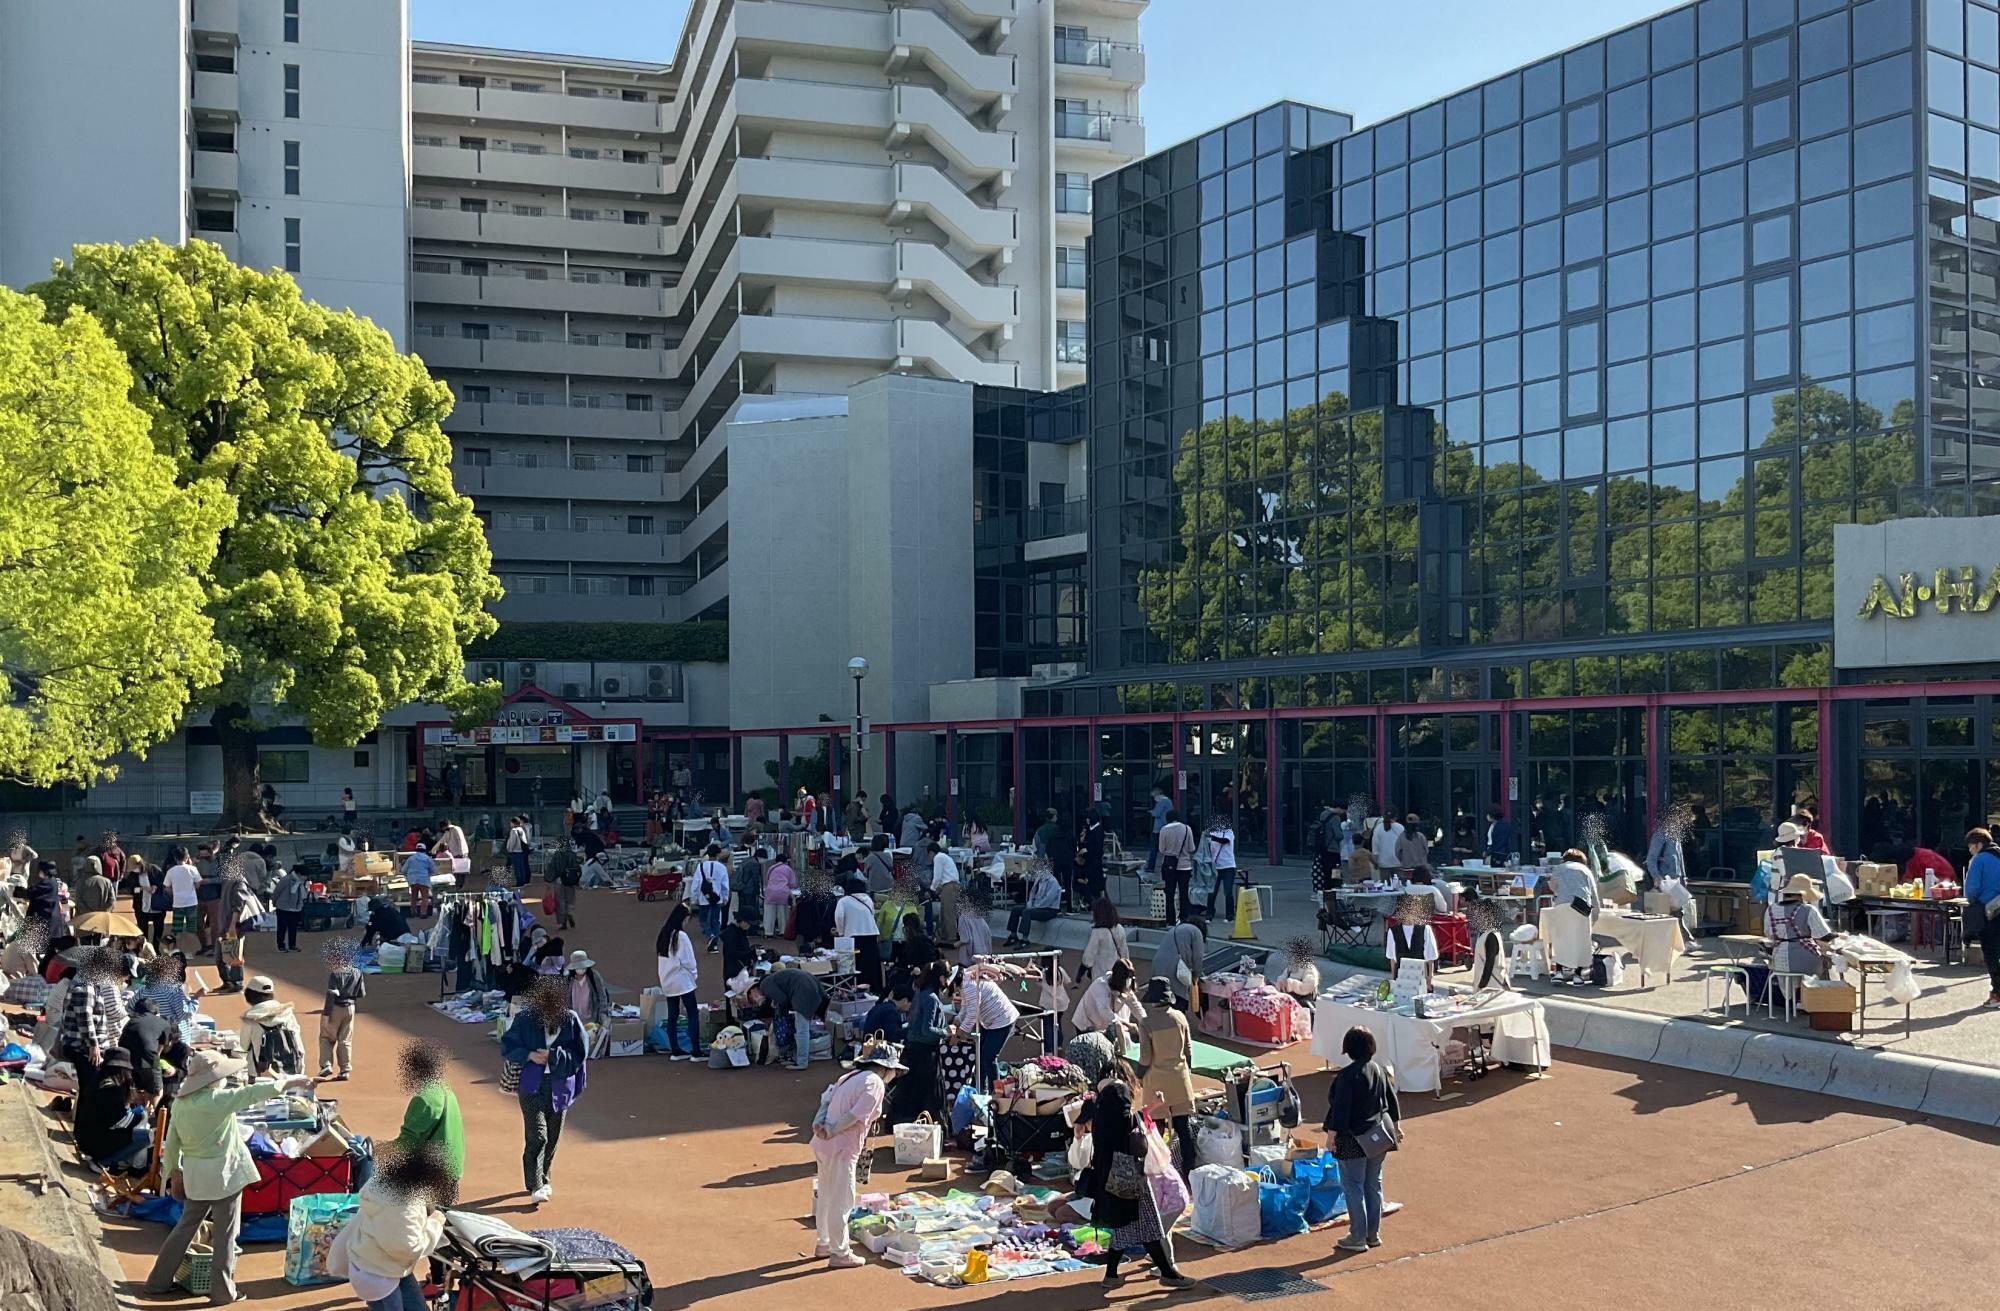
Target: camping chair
(1343, 926)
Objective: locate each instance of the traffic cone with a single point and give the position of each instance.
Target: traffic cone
(1242, 930)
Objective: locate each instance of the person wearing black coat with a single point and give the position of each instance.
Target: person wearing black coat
(738, 955)
(149, 1038)
(1361, 1096)
(1133, 1222)
(813, 919)
(111, 1127)
(1090, 846)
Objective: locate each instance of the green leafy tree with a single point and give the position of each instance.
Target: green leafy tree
(353, 574)
(103, 635)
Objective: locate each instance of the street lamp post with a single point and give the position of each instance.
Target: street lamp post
(857, 668)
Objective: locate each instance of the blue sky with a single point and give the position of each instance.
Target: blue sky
(1208, 61)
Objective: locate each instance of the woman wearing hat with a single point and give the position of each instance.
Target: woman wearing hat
(1764, 883)
(207, 1166)
(589, 995)
(270, 1030)
(1794, 927)
(1568, 917)
(1166, 1055)
(847, 1111)
(111, 1126)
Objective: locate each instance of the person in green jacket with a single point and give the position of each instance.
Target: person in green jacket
(432, 1115)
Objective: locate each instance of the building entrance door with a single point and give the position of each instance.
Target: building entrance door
(1228, 766)
(1445, 769)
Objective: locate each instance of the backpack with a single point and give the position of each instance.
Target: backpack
(279, 1050)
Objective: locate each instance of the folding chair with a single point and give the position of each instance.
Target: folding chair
(1343, 926)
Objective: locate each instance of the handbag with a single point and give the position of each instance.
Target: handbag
(1580, 906)
(918, 1140)
(1127, 1177)
(1379, 1138)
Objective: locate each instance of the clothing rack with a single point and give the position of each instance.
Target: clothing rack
(1046, 965)
(440, 902)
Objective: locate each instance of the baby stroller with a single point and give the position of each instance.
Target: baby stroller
(488, 1265)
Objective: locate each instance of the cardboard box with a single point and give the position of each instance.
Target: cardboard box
(1830, 1021)
(1657, 903)
(374, 862)
(1827, 998)
(628, 1037)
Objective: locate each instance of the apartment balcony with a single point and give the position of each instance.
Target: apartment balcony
(501, 419)
(1072, 223)
(1102, 133)
(559, 545)
(536, 108)
(1100, 61)
(228, 242)
(1037, 523)
(588, 608)
(544, 357)
(986, 16)
(215, 170)
(920, 342)
(921, 35)
(547, 172)
(1129, 10)
(215, 18)
(555, 482)
(782, 105)
(922, 112)
(921, 188)
(555, 294)
(546, 231)
(921, 266)
(216, 93)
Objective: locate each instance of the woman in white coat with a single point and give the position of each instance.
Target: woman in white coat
(1107, 941)
(678, 977)
(1566, 921)
(397, 1224)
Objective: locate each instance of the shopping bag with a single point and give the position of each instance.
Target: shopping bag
(1281, 1207)
(918, 1140)
(1170, 1195)
(310, 1228)
(549, 902)
(1321, 1177)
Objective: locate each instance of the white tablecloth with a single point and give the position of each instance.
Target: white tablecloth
(1655, 943)
(1414, 1047)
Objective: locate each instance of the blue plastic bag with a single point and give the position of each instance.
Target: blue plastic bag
(965, 1109)
(1321, 1177)
(1281, 1207)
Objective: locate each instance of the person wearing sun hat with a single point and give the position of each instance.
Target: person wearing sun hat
(207, 1165)
(848, 1109)
(589, 994)
(1794, 927)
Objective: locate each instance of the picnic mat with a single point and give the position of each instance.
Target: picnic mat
(1207, 1059)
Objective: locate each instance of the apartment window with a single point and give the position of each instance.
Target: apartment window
(1075, 46)
(531, 211)
(291, 168)
(479, 457)
(637, 218)
(1051, 493)
(291, 22)
(1072, 193)
(638, 341)
(638, 279)
(213, 139)
(589, 523)
(291, 90)
(628, 94)
(471, 206)
(515, 521)
(284, 766)
(1069, 266)
(583, 152)
(477, 395)
(638, 401)
(292, 245)
(471, 80)
(638, 464)
(215, 220)
(430, 266)
(634, 156)
(472, 143)
(639, 585)
(587, 216)
(472, 268)
(215, 62)
(536, 584)
(639, 525)
(474, 331)
(527, 334)
(527, 86)
(425, 139)
(1070, 342)
(583, 338)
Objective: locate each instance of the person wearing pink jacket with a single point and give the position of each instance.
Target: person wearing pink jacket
(847, 1111)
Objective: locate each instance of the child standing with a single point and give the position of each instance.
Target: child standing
(344, 987)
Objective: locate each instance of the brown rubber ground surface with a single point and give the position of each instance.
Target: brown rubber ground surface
(1607, 1184)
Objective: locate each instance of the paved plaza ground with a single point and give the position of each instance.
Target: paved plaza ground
(1607, 1183)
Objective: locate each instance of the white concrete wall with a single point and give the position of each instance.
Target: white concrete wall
(93, 112)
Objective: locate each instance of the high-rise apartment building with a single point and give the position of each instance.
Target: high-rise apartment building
(607, 255)
(278, 129)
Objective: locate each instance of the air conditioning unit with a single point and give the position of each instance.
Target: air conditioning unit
(574, 691)
(490, 669)
(610, 687)
(527, 672)
(659, 689)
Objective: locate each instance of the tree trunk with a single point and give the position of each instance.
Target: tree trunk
(242, 806)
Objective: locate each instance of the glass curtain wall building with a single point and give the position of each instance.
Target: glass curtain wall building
(1492, 453)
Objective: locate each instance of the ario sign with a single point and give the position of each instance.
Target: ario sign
(1914, 592)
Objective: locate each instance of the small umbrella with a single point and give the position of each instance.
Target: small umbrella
(109, 923)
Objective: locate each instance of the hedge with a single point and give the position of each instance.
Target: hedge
(604, 641)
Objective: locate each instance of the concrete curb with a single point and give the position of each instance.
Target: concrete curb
(1798, 1063)
(1703, 1047)
(1625, 1034)
(1963, 1092)
(1884, 1078)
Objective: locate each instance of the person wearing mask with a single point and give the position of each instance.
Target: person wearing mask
(1162, 807)
(879, 866)
(1178, 959)
(1765, 881)
(711, 885)
(924, 1032)
(1503, 841)
(398, 1222)
(1362, 1098)
(1166, 1066)
(431, 1119)
(518, 845)
(111, 1118)
(153, 1042)
(888, 1017)
(95, 892)
(1090, 859)
(1218, 845)
(984, 1008)
(269, 1031)
(914, 950)
(1175, 844)
(546, 1040)
(679, 976)
(1111, 1000)
(1413, 849)
(1106, 946)
(1044, 904)
(780, 882)
(854, 917)
(92, 1014)
(847, 1113)
(1569, 916)
(150, 900)
(1982, 905)
(1664, 857)
(1115, 1131)
(795, 999)
(944, 887)
(1385, 844)
(589, 994)
(1810, 838)
(288, 902)
(207, 1165)
(345, 987)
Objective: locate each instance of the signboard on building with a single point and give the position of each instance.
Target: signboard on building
(1915, 592)
(530, 735)
(205, 802)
